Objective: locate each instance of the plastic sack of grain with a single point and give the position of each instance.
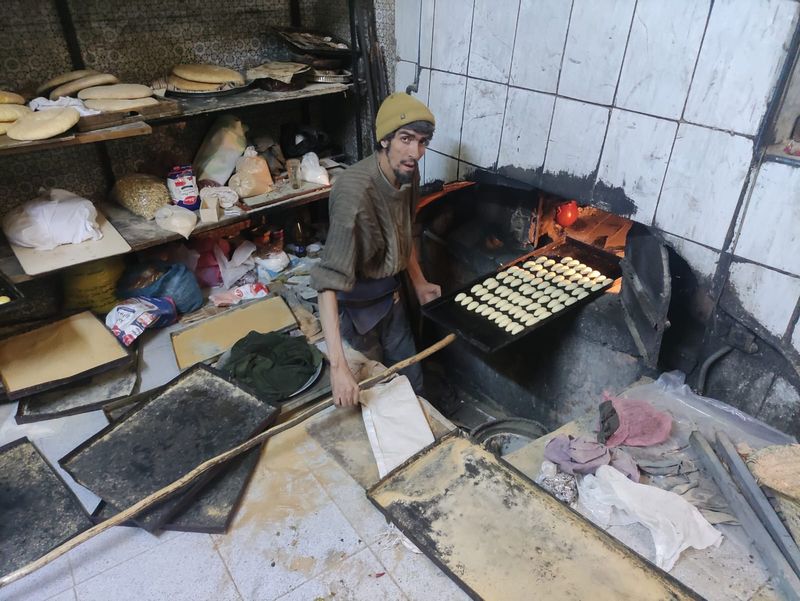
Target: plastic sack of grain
(141, 194)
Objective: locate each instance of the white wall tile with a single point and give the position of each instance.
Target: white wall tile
(447, 105)
(703, 183)
(483, 122)
(539, 46)
(525, 129)
(662, 51)
(440, 167)
(598, 31)
(742, 53)
(404, 73)
(493, 39)
(406, 29)
(770, 232)
(635, 159)
(796, 337)
(576, 138)
(701, 259)
(426, 39)
(452, 24)
(773, 309)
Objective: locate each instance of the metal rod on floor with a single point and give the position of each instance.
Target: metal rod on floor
(181, 482)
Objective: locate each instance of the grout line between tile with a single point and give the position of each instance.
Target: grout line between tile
(558, 83)
(225, 565)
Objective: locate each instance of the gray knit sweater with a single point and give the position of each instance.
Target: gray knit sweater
(370, 228)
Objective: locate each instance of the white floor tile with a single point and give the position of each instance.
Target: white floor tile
(186, 567)
(111, 548)
(417, 575)
(53, 579)
(360, 577)
(65, 596)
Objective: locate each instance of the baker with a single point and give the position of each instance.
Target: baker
(369, 246)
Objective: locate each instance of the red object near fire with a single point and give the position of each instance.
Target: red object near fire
(567, 213)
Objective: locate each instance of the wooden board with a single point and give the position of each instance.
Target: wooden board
(282, 190)
(128, 130)
(216, 335)
(164, 108)
(499, 536)
(35, 262)
(46, 357)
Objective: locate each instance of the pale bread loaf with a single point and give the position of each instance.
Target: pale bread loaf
(114, 105)
(44, 124)
(73, 87)
(208, 74)
(12, 112)
(4, 125)
(117, 91)
(63, 78)
(10, 98)
(180, 83)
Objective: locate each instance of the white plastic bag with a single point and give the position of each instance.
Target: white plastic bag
(312, 171)
(223, 145)
(176, 219)
(252, 175)
(609, 498)
(54, 218)
(240, 263)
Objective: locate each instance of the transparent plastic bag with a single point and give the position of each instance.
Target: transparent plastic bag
(252, 175)
(176, 219)
(312, 171)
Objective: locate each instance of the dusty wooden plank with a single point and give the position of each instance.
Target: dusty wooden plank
(758, 501)
(787, 580)
(129, 130)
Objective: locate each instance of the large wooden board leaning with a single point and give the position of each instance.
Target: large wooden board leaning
(216, 335)
(46, 357)
(34, 261)
(500, 536)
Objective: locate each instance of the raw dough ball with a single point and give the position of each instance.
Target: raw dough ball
(511, 325)
(538, 294)
(473, 305)
(503, 305)
(530, 320)
(596, 287)
(575, 277)
(574, 263)
(549, 263)
(486, 310)
(490, 283)
(503, 321)
(540, 273)
(475, 288)
(558, 278)
(503, 293)
(502, 274)
(585, 281)
(493, 301)
(582, 294)
(570, 301)
(526, 289)
(557, 307)
(544, 299)
(494, 314)
(460, 296)
(532, 307)
(566, 260)
(563, 284)
(585, 270)
(529, 264)
(43, 124)
(549, 276)
(466, 300)
(577, 292)
(516, 329)
(515, 282)
(553, 303)
(486, 297)
(570, 287)
(545, 315)
(558, 268)
(524, 302)
(549, 290)
(594, 274)
(569, 272)
(513, 297)
(607, 281)
(536, 281)
(539, 312)
(541, 259)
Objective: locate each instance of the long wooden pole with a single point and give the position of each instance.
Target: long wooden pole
(163, 493)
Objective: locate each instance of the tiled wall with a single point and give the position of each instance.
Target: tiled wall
(647, 108)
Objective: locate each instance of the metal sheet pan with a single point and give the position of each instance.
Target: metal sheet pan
(193, 418)
(485, 335)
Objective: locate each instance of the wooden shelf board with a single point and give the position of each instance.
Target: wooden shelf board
(129, 130)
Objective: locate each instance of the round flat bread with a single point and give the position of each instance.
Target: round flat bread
(10, 98)
(179, 83)
(44, 124)
(4, 125)
(12, 112)
(64, 78)
(208, 74)
(117, 91)
(108, 105)
(73, 87)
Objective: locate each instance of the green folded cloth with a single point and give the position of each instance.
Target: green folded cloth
(273, 365)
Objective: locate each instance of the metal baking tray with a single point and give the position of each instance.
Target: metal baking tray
(307, 46)
(485, 335)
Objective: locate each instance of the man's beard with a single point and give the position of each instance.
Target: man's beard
(403, 177)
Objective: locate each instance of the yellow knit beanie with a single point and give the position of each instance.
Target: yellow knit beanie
(400, 109)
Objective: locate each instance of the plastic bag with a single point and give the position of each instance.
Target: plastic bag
(252, 175)
(129, 319)
(141, 194)
(234, 296)
(54, 218)
(223, 145)
(239, 264)
(312, 171)
(176, 219)
(162, 280)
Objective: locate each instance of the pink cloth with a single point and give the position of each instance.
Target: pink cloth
(640, 424)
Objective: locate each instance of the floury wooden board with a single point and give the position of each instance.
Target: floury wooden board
(34, 261)
(501, 537)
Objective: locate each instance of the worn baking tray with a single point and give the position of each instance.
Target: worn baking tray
(38, 511)
(306, 46)
(484, 334)
(195, 417)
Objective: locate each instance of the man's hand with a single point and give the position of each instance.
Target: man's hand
(426, 292)
(345, 387)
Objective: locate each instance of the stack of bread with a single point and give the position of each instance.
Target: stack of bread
(99, 91)
(12, 107)
(203, 78)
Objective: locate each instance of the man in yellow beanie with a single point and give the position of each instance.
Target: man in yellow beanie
(369, 245)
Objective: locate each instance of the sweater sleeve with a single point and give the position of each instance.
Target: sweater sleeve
(337, 267)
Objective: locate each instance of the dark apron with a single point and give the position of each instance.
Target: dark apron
(368, 302)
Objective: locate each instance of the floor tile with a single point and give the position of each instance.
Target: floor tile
(286, 532)
(358, 578)
(418, 577)
(65, 596)
(51, 580)
(111, 548)
(186, 567)
(538, 50)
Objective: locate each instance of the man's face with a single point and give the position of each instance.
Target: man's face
(403, 152)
